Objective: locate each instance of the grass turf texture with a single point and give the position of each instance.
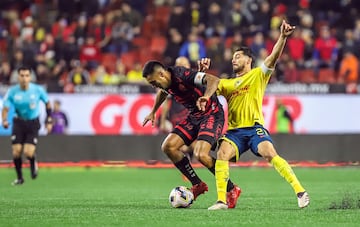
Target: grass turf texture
(139, 197)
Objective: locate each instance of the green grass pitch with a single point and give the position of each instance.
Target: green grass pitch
(119, 196)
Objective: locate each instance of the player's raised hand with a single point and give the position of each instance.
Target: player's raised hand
(286, 29)
(203, 64)
(150, 117)
(201, 102)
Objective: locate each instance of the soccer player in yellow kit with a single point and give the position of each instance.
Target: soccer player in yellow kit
(244, 95)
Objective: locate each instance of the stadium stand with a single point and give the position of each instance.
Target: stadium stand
(137, 31)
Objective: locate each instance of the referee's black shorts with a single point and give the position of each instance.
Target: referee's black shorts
(25, 131)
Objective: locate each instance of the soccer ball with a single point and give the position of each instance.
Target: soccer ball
(181, 197)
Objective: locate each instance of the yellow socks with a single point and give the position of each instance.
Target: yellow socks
(222, 177)
(285, 170)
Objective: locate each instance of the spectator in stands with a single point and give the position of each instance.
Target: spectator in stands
(193, 48)
(60, 119)
(29, 50)
(215, 17)
(131, 16)
(135, 74)
(104, 76)
(349, 68)
(325, 49)
(69, 50)
(237, 41)
(173, 46)
(261, 22)
(291, 74)
(180, 19)
(78, 75)
(350, 44)
(98, 30)
(258, 44)
(226, 69)
(81, 30)
(120, 71)
(215, 48)
(90, 53)
(121, 35)
(308, 49)
(236, 18)
(5, 72)
(296, 47)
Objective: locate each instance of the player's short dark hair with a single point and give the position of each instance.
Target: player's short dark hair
(150, 66)
(24, 67)
(248, 52)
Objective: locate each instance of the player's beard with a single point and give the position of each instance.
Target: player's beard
(238, 68)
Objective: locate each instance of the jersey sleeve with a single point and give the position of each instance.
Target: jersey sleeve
(190, 76)
(43, 95)
(7, 101)
(266, 70)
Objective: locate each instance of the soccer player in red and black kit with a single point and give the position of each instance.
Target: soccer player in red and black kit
(204, 124)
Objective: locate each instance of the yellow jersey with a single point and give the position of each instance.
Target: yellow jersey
(244, 96)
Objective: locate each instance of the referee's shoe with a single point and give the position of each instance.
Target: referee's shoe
(17, 182)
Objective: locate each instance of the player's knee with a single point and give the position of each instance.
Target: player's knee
(16, 153)
(168, 147)
(267, 150)
(225, 155)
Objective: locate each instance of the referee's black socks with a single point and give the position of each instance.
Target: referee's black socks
(18, 167)
(32, 166)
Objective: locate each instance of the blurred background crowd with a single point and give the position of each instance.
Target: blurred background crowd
(106, 42)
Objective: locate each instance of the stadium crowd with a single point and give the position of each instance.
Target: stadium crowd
(106, 42)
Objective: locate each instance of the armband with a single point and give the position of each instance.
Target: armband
(199, 78)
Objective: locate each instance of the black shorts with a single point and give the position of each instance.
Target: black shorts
(25, 131)
(207, 128)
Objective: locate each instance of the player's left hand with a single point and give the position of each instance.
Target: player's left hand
(203, 64)
(286, 29)
(201, 102)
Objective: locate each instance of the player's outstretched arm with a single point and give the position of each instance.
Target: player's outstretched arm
(285, 30)
(160, 98)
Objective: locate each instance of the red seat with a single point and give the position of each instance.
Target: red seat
(140, 42)
(108, 60)
(158, 44)
(129, 59)
(161, 19)
(229, 41)
(307, 76)
(326, 75)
